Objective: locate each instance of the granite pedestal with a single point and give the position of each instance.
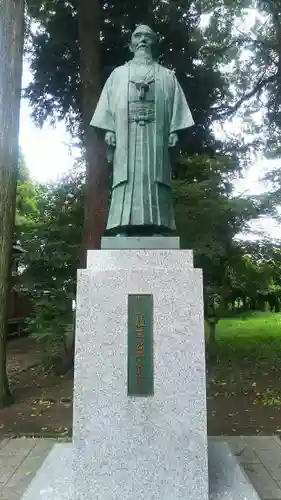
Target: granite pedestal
(138, 447)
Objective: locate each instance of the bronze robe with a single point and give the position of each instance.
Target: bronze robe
(141, 190)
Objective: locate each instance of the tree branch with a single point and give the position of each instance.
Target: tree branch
(276, 19)
(261, 83)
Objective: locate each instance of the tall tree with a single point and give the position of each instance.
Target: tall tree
(11, 50)
(96, 195)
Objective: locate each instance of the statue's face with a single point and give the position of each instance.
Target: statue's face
(143, 39)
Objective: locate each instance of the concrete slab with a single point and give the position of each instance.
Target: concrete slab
(260, 457)
(20, 459)
(263, 442)
(21, 443)
(14, 452)
(271, 459)
(240, 448)
(246, 456)
(3, 443)
(263, 482)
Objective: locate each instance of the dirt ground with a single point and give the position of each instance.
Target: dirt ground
(42, 401)
(244, 402)
(240, 402)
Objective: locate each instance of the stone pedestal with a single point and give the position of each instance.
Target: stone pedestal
(135, 447)
(140, 447)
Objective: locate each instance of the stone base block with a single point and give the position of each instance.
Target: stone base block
(127, 446)
(54, 481)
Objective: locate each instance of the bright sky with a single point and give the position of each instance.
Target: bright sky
(47, 150)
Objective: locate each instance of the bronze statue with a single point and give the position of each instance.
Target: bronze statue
(141, 109)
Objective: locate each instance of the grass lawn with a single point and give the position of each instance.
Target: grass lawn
(244, 389)
(255, 339)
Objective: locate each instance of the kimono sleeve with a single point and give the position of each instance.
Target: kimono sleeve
(103, 117)
(181, 114)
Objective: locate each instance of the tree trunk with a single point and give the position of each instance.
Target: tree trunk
(11, 52)
(96, 196)
(212, 346)
(96, 186)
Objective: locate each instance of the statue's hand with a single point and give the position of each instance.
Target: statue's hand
(173, 139)
(110, 139)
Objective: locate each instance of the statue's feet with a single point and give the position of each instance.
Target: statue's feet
(145, 231)
(138, 235)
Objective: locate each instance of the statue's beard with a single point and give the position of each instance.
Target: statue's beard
(143, 54)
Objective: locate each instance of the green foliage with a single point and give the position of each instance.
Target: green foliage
(52, 245)
(23, 172)
(209, 218)
(271, 398)
(256, 277)
(27, 196)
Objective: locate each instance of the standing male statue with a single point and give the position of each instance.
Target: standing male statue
(141, 109)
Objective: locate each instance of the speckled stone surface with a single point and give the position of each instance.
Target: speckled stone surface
(153, 447)
(114, 260)
(55, 479)
(151, 242)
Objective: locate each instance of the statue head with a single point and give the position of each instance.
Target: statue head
(144, 40)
